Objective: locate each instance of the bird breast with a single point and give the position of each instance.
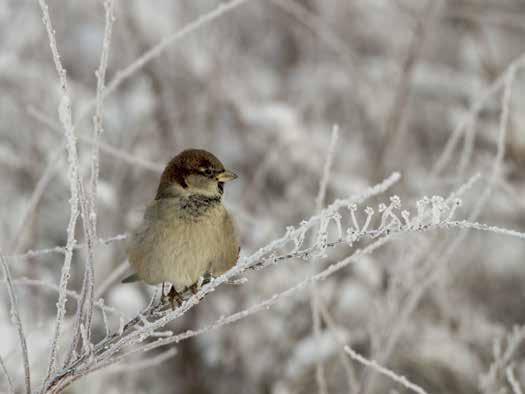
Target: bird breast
(181, 240)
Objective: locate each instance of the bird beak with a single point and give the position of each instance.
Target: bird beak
(226, 176)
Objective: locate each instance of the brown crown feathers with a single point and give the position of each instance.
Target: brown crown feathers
(192, 162)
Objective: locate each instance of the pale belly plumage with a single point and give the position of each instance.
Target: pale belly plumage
(171, 246)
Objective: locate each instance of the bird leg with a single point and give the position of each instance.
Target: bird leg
(194, 288)
(163, 297)
(174, 297)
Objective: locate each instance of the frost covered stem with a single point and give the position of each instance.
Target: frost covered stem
(84, 314)
(10, 387)
(15, 318)
(64, 112)
(266, 304)
(97, 119)
(314, 296)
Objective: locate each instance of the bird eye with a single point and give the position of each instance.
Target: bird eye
(208, 172)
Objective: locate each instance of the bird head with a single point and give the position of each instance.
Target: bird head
(193, 171)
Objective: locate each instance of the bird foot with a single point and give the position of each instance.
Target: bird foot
(194, 288)
(174, 298)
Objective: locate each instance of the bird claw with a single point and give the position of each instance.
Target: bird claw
(174, 298)
(194, 288)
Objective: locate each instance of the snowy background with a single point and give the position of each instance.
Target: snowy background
(414, 86)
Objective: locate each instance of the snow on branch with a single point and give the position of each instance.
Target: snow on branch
(326, 231)
(84, 314)
(65, 116)
(344, 222)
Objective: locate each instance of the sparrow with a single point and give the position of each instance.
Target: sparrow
(186, 232)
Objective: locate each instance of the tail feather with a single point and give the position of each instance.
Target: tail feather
(130, 279)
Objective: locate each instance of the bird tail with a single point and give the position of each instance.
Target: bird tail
(130, 279)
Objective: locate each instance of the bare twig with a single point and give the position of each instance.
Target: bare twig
(472, 114)
(509, 373)
(15, 318)
(38, 192)
(64, 249)
(221, 10)
(143, 364)
(112, 278)
(353, 386)
(394, 122)
(314, 297)
(385, 371)
(66, 119)
(88, 208)
(10, 387)
(103, 146)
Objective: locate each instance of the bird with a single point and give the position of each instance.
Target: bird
(186, 232)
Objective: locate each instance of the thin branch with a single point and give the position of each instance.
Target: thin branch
(323, 183)
(353, 386)
(104, 146)
(394, 122)
(64, 249)
(472, 114)
(111, 278)
(221, 10)
(84, 315)
(509, 373)
(314, 297)
(385, 371)
(329, 37)
(10, 387)
(15, 318)
(66, 119)
(147, 363)
(99, 303)
(38, 192)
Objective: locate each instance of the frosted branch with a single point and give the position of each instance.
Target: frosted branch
(314, 298)
(99, 303)
(66, 119)
(64, 249)
(10, 387)
(17, 322)
(403, 381)
(513, 382)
